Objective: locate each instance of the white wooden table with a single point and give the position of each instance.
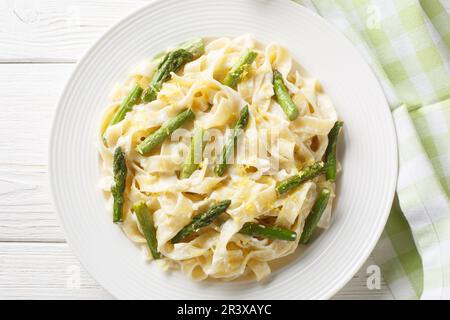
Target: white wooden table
(40, 41)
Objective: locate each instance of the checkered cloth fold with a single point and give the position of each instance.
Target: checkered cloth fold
(407, 44)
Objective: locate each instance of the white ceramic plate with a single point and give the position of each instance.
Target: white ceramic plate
(368, 153)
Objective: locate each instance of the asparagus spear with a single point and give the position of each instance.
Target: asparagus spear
(330, 152)
(237, 71)
(132, 99)
(283, 97)
(145, 220)
(120, 176)
(202, 220)
(240, 125)
(171, 62)
(195, 46)
(259, 230)
(303, 175)
(195, 154)
(157, 137)
(315, 214)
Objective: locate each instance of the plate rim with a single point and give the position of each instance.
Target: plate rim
(114, 27)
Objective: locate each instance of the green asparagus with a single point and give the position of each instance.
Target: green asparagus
(240, 125)
(330, 152)
(259, 230)
(202, 220)
(171, 62)
(303, 175)
(315, 215)
(145, 220)
(240, 67)
(132, 99)
(195, 46)
(117, 190)
(283, 97)
(157, 137)
(195, 154)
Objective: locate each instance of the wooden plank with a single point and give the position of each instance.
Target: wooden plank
(49, 271)
(55, 30)
(28, 99)
(44, 271)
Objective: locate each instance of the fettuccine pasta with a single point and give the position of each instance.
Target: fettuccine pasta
(270, 149)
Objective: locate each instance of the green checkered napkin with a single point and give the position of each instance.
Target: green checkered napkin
(407, 43)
